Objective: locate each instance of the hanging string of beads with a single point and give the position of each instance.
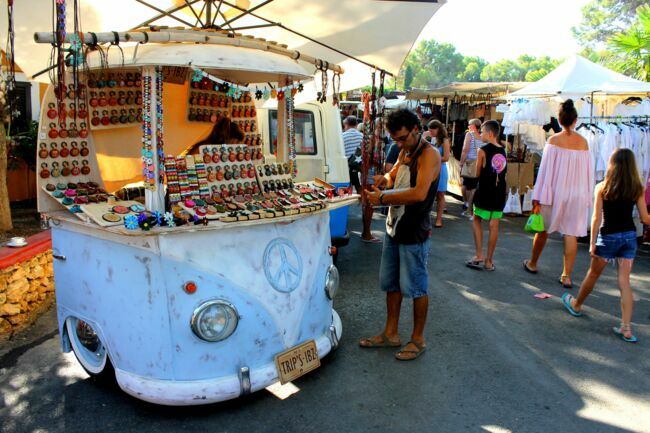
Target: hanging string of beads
(366, 149)
(147, 135)
(259, 93)
(291, 131)
(322, 95)
(60, 31)
(159, 125)
(336, 86)
(380, 147)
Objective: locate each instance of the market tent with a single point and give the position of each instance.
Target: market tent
(466, 88)
(577, 77)
(358, 28)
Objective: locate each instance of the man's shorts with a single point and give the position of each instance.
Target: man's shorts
(486, 214)
(470, 182)
(404, 268)
(616, 245)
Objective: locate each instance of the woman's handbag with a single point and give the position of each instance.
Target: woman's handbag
(469, 169)
(535, 223)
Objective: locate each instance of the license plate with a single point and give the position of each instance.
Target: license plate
(299, 360)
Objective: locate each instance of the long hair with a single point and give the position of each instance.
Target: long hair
(223, 131)
(622, 180)
(441, 133)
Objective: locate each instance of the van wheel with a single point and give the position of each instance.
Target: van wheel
(90, 351)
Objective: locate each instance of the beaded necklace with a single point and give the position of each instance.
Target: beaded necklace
(147, 137)
(159, 125)
(291, 129)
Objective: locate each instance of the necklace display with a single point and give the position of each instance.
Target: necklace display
(291, 130)
(147, 137)
(159, 125)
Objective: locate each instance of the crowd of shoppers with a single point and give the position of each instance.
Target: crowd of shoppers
(416, 175)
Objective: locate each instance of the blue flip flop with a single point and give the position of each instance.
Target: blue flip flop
(566, 300)
(619, 332)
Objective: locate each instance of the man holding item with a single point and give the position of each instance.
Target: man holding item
(409, 189)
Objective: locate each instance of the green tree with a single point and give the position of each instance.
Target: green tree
(434, 64)
(631, 48)
(473, 68)
(602, 18)
(408, 77)
(524, 68)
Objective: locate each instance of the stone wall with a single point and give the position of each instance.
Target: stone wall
(26, 287)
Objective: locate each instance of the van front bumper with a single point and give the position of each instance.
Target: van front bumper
(195, 392)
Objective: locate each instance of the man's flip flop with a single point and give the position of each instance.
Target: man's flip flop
(410, 354)
(566, 300)
(618, 331)
(532, 271)
(474, 264)
(367, 343)
(561, 281)
(372, 240)
(490, 268)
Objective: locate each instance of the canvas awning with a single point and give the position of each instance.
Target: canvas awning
(378, 32)
(466, 89)
(577, 77)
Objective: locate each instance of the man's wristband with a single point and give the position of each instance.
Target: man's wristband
(381, 198)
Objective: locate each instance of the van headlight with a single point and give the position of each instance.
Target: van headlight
(331, 282)
(214, 320)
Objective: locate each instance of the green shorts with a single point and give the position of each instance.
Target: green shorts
(486, 214)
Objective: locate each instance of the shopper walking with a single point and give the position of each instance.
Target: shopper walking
(563, 191)
(409, 189)
(438, 136)
(471, 145)
(352, 140)
(490, 196)
(614, 202)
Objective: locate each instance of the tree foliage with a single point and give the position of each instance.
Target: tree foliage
(432, 64)
(602, 18)
(631, 48)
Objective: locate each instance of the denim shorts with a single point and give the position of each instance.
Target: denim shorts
(616, 245)
(404, 268)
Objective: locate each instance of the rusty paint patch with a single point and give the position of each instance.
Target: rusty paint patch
(146, 262)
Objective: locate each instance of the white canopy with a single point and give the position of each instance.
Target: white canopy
(577, 77)
(378, 32)
(466, 88)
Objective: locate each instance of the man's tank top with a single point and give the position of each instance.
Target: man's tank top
(491, 192)
(415, 224)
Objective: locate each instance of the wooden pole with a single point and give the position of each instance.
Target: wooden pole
(211, 38)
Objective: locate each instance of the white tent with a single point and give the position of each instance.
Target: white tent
(577, 77)
(380, 33)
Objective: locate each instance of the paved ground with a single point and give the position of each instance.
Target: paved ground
(499, 360)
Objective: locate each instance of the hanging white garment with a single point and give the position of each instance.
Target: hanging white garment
(527, 206)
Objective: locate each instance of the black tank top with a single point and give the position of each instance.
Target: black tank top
(491, 192)
(617, 216)
(415, 225)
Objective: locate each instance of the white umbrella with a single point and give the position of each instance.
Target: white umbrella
(380, 33)
(577, 77)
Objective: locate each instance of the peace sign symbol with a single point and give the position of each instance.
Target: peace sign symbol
(282, 265)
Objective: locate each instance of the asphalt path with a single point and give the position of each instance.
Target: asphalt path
(498, 359)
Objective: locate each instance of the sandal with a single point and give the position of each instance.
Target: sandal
(474, 264)
(489, 268)
(622, 330)
(562, 280)
(410, 354)
(566, 300)
(532, 271)
(372, 240)
(368, 343)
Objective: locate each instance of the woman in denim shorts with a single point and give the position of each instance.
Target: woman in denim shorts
(614, 203)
